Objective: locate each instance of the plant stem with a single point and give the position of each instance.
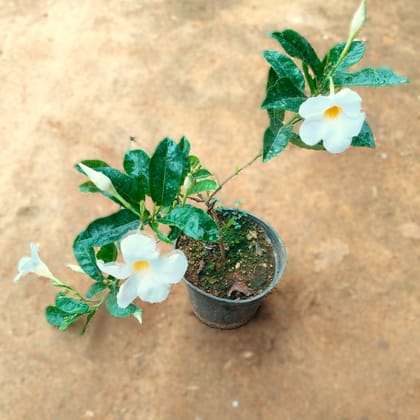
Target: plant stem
(237, 171)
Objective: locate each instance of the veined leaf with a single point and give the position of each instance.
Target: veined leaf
(95, 289)
(107, 253)
(381, 76)
(98, 233)
(201, 186)
(69, 305)
(276, 140)
(117, 311)
(364, 138)
(194, 222)
(136, 164)
(285, 67)
(353, 56)
(283, 95)
(297, 46)
(166, 170)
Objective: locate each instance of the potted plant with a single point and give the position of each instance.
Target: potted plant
(230, 259)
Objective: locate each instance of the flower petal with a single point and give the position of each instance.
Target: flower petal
(315, 106)
(128, 291)
(349, 101)
(337, 145)
(138, 246)
(311, 131)
(170, 268)
(119, 271)
(152, 290)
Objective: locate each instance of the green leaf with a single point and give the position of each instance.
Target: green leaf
(194, 222)
(166, 170)
(161, 236)
(185, 148)
(95, 289)
(59, 318)
(364, 138)
(127, 186)
(69, 305)
(85, 256)
(381, 76)
(201, 173)
(201, 186)
(283, 95)
(91, 163)
(89, 187)
(136, 164)
(276, 142)
(353, 56)
(285, 67)
(297, 46)
(88, 318)
(98, 233)
(298, 142)
(107, 253)
(117, 311)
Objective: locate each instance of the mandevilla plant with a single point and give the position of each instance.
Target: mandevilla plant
(170, 193)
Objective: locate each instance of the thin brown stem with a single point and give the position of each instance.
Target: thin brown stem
(238, 170)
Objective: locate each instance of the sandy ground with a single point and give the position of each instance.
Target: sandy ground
(339, 337)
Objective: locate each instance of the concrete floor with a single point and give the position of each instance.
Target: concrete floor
(339, 338)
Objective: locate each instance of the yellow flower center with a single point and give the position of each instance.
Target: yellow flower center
(141, 265)
(332, 112)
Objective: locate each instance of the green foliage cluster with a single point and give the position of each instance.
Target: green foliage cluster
(289, 86)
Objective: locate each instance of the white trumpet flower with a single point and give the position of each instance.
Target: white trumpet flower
(334, 119)
(149, 275)
(33, 264)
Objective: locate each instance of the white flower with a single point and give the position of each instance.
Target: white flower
(334, 119)
(99, 179)
(33, 264)
(148, 275)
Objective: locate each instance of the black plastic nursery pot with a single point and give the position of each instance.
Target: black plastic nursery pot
(226, 313)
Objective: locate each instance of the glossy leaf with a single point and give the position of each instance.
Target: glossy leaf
(95, 289)
(381, 76)
(298, 142)
(285, 67)
(202, 186)
(353, 56)
(127, 186)
(283, 95)
(297, 46)
(117, 311)
(59, 318)
(185, 147)
(201, 173)
(136, 164)
(275, 141)
(98, 233)
(194, 222)
(69, 305)
(364, 138)
(89, 186)
(107, 253)
(166, 170)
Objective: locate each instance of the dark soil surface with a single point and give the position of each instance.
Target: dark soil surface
(337, 338)
(246, 267)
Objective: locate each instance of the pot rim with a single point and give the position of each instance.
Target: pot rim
(280, 257)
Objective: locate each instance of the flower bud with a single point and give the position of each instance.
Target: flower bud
(359, 19)
(99, 179)
(188, 183)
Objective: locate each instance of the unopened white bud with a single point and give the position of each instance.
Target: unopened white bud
(99, 179)
(359, 19)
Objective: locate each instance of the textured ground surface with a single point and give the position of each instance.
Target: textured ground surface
(339, 337)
